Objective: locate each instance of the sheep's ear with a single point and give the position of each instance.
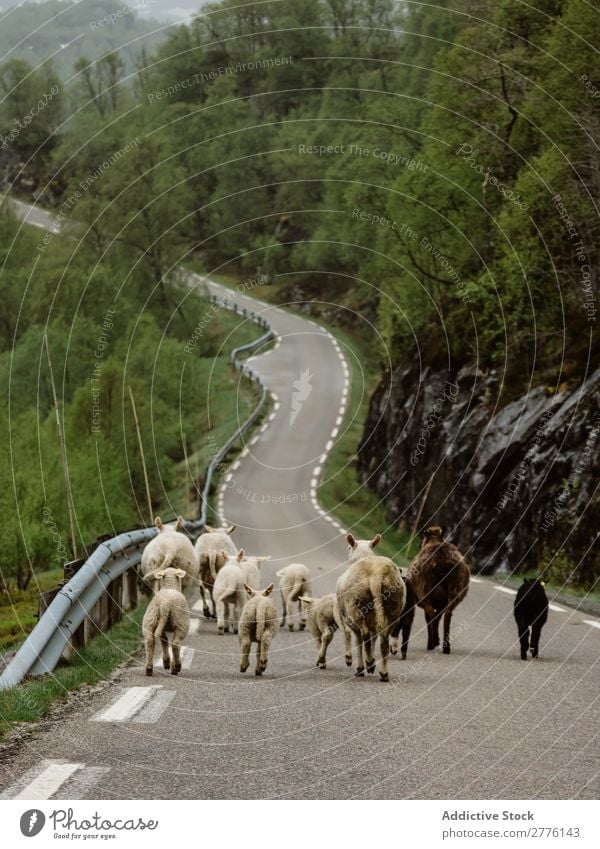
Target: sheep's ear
(241, 554)
(158, 523)
(181, 573)
(351, 540)
(306, 600)
(209, 529)
(268, 590)
(159, 575)
(230, 529)
(376, 540)
(248, 589)
(179, 523)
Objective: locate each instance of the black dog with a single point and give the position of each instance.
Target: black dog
(531, 611)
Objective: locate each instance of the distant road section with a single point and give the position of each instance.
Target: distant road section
(35, 215)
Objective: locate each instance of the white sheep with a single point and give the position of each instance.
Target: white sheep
(294, 582)
(371, 596)
(258, 624)
(324, 620)
(228, 592)
(170, 549)
(251, 569)
(167, 612)
(209, 551)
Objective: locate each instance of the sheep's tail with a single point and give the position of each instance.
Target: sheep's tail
(162, 622)
(298, 587)
(167, 561)
(212, 563)
(260, 621)
(377, 593)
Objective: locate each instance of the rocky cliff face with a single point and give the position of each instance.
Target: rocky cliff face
(515, 486)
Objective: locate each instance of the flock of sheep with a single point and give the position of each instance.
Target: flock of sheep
(372, 599)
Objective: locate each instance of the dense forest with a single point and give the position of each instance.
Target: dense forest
(433, 169)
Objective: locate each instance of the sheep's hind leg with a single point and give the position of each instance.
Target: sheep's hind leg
(446, 641)
(326, 638)
(176, 649)
(164, 642)
(226, 615)
(290, 612)
(262, 652)
(394, 637)
(536, 630)
(303, 615)
(524, 640)
(369, 641)
(407, 621)
(360, 669)
(284, 608)
(205, 607)
(245, 645)
(220, 608)
(347, 645)
(384, 643)
(149, 640)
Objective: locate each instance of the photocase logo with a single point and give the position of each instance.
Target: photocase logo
(32, 822)
(302, 389)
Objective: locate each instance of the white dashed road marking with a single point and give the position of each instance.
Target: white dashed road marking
(127, 705)
(42, 781)
(155, 707)
(187, 656)
(593, 622)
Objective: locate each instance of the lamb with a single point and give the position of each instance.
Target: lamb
(405, 622)
(250, 567)
(531, 612)
(323, 620)
(228, 592)
(439, 578)
(294, 582)
(209, 550)
(258, 624)
(371, 596)
(167, 612)
(170, 549)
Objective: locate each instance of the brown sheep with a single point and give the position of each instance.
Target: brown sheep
(439, 578)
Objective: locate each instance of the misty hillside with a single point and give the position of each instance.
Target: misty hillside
(65, 31)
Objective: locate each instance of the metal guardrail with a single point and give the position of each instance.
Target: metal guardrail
(44, 646)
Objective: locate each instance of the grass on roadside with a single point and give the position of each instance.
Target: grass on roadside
(32, 700)
(18, 608)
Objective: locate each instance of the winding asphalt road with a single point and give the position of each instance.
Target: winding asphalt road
(478, 724)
